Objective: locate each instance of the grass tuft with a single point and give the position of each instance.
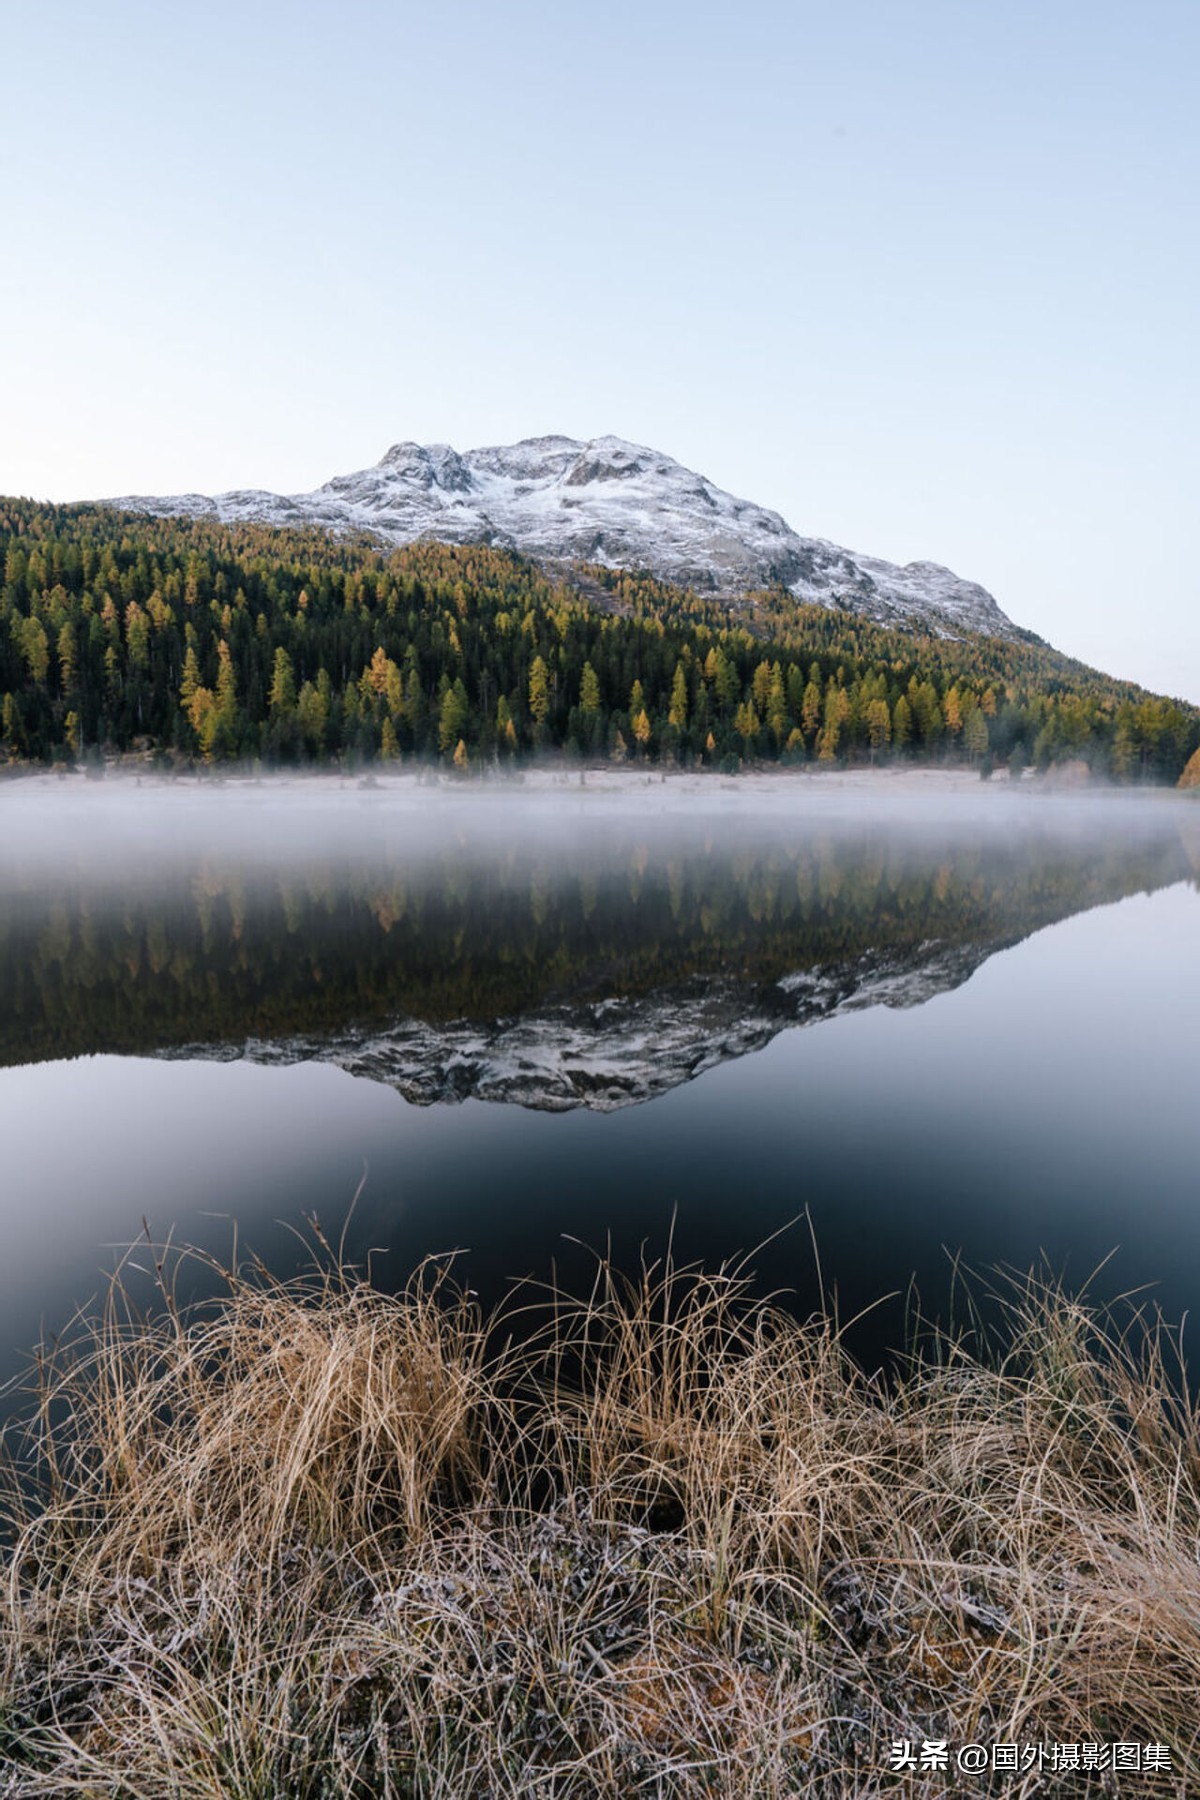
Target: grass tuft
(313, 1540)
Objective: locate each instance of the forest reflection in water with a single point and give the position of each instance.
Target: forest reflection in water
(210, 947)
(953, 1098)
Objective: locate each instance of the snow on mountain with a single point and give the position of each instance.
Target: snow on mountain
(607, 501)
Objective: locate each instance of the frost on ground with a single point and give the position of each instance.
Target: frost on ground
(315, 1540)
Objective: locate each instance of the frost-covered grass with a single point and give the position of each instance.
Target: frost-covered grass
(315, 1540)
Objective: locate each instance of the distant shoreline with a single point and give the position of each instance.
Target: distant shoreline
(547, 778)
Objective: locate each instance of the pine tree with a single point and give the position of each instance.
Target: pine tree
(375, 675)
(539, 695)
(66, 658)
(677, 715)
(810, 715)
(777, 713)
(312, 717)
(975, 734)
(879, 726)
(10, 724)
(191, 677)
(35, 647)
(728, 683)
(227, 704)
(282, 698)
(452, 720)
(747, 724)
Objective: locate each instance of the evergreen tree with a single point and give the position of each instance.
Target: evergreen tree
(539, 696)
(282, 698)
(879, 727)
(975, 735)
(677, 715)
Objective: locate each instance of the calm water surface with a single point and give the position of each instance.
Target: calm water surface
(939, 1029)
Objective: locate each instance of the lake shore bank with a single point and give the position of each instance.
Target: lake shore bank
(547, 777)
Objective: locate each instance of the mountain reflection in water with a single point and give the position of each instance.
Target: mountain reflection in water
(591, 966)
(575, 958)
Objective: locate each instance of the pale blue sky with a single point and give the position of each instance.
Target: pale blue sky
(922, 275)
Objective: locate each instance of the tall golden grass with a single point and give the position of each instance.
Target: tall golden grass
(314, 1540)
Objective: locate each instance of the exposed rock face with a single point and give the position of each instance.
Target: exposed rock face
(557, 499)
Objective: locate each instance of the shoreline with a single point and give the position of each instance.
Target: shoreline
(603, 778)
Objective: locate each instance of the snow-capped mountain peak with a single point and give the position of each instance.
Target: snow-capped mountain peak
(605, 500)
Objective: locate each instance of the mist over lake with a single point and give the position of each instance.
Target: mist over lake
(514, 1020)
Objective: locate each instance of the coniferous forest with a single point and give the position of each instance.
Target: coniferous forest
(204, 643)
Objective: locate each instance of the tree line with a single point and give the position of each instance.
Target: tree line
(207, 642)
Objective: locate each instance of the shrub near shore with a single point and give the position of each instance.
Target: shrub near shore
(312, 1539)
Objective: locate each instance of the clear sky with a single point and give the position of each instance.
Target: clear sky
(922, 274)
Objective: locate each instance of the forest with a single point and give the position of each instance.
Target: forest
(196, 643)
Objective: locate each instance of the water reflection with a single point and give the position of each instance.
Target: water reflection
(991, 1074)
(588, 968)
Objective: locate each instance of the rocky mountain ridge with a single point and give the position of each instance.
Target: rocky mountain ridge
(560, 500)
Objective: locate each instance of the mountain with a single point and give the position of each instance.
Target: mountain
(606, 501)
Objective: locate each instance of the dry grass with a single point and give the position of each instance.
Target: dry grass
(314, 1540)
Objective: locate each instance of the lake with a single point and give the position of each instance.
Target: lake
(906, 1027)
